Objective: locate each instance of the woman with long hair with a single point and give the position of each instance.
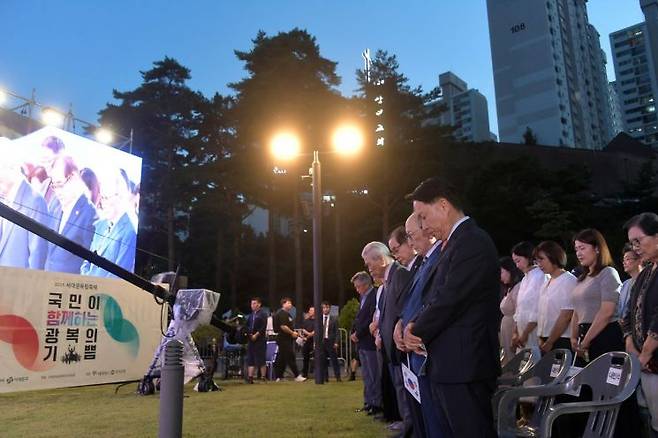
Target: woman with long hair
(510, 279)
(527, 300)
(595, 329)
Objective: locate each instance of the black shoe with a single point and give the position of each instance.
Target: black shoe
(365, 408)
(250, 380)
(374, 410)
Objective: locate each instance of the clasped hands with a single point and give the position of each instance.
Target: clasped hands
(406, 341)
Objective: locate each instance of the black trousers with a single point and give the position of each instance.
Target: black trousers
(285, 358)
(389, 399)
(464, 409)
(330, 354)
(307, 349)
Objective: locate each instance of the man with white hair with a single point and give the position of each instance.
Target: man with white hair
(115, 238)
(18, 247)
(392, 278)
(395, 284)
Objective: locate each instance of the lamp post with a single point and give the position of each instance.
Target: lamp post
(318, 352)
(347, 140)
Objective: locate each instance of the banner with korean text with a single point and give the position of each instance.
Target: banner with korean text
(59, 330)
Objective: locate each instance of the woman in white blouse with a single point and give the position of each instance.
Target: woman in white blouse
(555, 302)
(527, 300)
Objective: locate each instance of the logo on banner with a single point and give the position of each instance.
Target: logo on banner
(21, 335)
(119, 328)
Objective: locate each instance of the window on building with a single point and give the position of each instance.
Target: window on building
(644, 89)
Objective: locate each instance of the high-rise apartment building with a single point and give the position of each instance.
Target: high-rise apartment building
(549, 73)
(614, 104)
(464, 109)
(635, 57)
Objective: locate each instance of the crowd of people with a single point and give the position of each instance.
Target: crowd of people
(440, 313)
(437, 305)
(51, 189)
(282, 323)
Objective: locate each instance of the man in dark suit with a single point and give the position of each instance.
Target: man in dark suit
(329, 341)
(74, 216)
(256, 340)
(396, 281)
(116, 237)
(18, 247)
(379, 261)
(365, 341)
(457, 324)
(428, 249)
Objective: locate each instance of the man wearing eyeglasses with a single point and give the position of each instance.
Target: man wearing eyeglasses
(74, 215)
(115, 238)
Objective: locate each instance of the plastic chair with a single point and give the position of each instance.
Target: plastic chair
(550, 370)
(519, 364)
(612, 377)
(271, 351)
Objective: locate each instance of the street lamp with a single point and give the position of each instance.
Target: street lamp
(52, 117)
(104, 136)
(347, 140)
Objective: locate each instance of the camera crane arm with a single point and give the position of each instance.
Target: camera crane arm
(55, 238)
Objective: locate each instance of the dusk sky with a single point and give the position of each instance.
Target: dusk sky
(77, 51)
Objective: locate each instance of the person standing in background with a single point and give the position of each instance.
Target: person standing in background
(510, 281)
(329, 341)
(527, 300)
(256, 341)
(282, 322)
(308, 331)
(632, 266)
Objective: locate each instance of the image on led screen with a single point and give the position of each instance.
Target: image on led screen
(86, 191)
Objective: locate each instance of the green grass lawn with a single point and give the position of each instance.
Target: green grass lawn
(284, 409)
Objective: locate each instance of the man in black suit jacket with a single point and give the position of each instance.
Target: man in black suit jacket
(366, 342)
(256, 340)
(396, 283)
(457, 323)
(329, 341)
